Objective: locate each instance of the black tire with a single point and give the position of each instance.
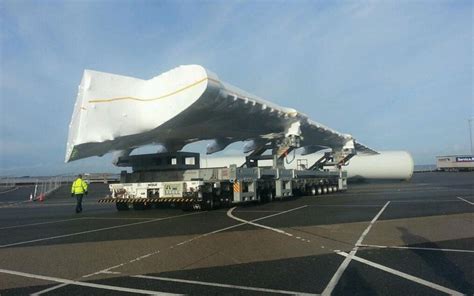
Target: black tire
(320, 190)
(270, 195)
(208, 204)
(121, 206)
(225, 201)
(259, 196)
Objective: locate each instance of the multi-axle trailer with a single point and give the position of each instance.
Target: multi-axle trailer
(189, 104)
(176, 178)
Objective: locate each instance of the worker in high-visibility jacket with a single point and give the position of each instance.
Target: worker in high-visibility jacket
(78, 189)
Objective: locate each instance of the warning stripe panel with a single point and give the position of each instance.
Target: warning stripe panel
(237, 187)
(135, 200)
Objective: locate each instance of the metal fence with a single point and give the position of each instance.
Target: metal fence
(7, 184)
(44, 187)
(40, 186)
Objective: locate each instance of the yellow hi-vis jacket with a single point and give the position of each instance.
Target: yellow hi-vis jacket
(79, 186)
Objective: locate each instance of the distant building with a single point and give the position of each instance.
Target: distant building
(455, 163)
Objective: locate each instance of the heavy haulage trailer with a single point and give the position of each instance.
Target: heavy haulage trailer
(189, 104)
(176, 178)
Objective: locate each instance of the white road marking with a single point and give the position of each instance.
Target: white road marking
(255, 211)
(346, 206)
(193, 239)
(41, 223)
(94, 230)
(471, 203)
(158, 251)
(230, 215)
(13, 189)
(73, 219)
(424, 200)
(279, 213)
(403, 275)
(27, 204)
(14, 203)
(416, 248)
(53, 202)
(108, 270)
(337, 276)
(117, 218)
(84, 284)
(49, 289)
(237, 225)
(220, 285)
(112, 272)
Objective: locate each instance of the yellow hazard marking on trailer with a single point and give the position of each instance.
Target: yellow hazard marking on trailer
(237, 187)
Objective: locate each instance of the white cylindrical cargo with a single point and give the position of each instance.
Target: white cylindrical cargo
(387, 165)
(393, 165)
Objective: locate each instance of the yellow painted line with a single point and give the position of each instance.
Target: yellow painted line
(153, 99)
(291, 113)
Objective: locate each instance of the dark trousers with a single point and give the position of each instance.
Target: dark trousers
(79, 203)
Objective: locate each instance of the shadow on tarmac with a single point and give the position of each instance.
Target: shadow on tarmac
(439, 262)
(354, 283)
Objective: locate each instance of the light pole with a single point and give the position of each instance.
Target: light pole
(470, 132)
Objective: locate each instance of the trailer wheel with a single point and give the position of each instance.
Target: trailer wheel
(320, 190)
(121, 206)
(270, 195)
(329, 189)
(208, 203)
(325, 190)
(260, 197)
(334, 189)
(313, 190)
(225, 201)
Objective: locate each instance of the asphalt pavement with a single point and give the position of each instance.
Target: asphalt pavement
(399, 238)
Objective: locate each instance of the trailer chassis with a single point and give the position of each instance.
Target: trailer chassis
(176, 179)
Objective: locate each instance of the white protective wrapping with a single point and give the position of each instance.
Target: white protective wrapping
(181, 106)
(387, 165)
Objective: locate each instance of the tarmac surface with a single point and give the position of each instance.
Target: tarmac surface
(405, 238)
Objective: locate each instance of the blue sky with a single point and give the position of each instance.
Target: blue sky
(397, 75)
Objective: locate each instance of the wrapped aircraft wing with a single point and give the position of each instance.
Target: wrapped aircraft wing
(184, 105)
